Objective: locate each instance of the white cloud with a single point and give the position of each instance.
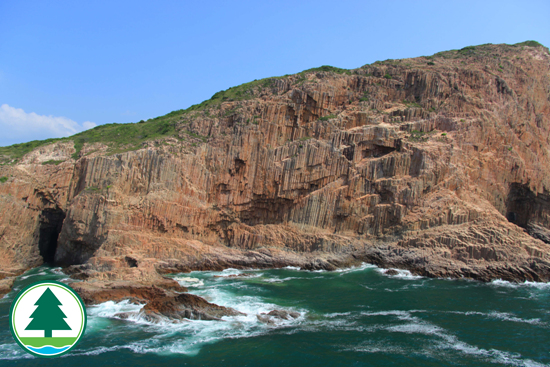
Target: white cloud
(18, 126)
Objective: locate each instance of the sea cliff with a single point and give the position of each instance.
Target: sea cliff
(439, 165)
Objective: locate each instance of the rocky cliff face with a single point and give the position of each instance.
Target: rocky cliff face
(440, 165)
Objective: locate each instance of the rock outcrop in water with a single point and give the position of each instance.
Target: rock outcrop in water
(160, 303)
(439, 165)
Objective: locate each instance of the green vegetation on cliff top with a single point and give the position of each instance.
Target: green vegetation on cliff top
(485, 49)
(130, 136)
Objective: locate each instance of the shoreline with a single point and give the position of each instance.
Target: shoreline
(166, 299)
(487, 272)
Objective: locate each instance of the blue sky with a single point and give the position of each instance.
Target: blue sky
(68, 65)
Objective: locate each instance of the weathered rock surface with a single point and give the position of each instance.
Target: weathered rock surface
(275, 316)
(160, 303)
(96, 292)
(5, 286)
(187, 306)
(438, 165)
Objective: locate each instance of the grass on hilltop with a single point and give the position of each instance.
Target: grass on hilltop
(124, 137)
(119, 137)
(484, 50)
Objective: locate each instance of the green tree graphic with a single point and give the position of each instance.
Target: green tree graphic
(48, 316)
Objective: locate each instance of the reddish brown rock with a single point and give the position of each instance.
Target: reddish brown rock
(187, 306)
(96, 292)
(5, 286)
(441, 169)
(159, 302)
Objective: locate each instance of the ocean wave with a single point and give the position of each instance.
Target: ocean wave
(98, 314)
(279, 280)
(57, 271)
(337, 314)
(400, 314)
(92, 352)
(526, 284)
(23, 277)
(12, 351)
(377, 347)
(443, 345)
(451, 342)
(503, 316)
(355, 268)
(188, 337)
(416, 328)
(490, 355)
(292, 267)
(250, 305)
(350, 269)
(110, 308)
(226, 272)
(188, 281)
(401, 274)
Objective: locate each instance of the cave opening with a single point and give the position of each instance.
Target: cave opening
(528, 210)
(375, 151)
(51, 222)
(519, 205)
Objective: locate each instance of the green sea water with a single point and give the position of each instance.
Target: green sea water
(353, 317)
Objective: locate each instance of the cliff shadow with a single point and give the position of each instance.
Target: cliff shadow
(50, 224)
(528, 210)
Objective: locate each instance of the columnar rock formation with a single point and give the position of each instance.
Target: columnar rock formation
(439, 165)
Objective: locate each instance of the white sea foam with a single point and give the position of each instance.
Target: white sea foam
(443, 343)
(337, 314)
(188, 337)
(416, 328)
(279, 280)
(504, 316)
(401, 315)
(110, 309)
(32, 275)
(189, 281)
(377, 347)
(526, 284)
(401, 274)
(448, 341)
(57, 271)
(250, 305)
(352, 269)
(226, 272)
(91, 352)
(292, 267)
(491, 355)
(12, 351)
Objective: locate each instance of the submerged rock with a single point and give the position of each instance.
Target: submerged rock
(159, 302)
(272, 317)
(5, 286)
(187, 306)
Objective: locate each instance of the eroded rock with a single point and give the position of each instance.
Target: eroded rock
(275, 316)
(160, 303)
(440, 169)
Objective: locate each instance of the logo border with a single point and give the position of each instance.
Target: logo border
(83, 306)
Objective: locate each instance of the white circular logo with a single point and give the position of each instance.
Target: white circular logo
(47, 319)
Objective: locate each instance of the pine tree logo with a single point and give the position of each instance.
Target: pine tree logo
(47, 319)
(48, 316)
